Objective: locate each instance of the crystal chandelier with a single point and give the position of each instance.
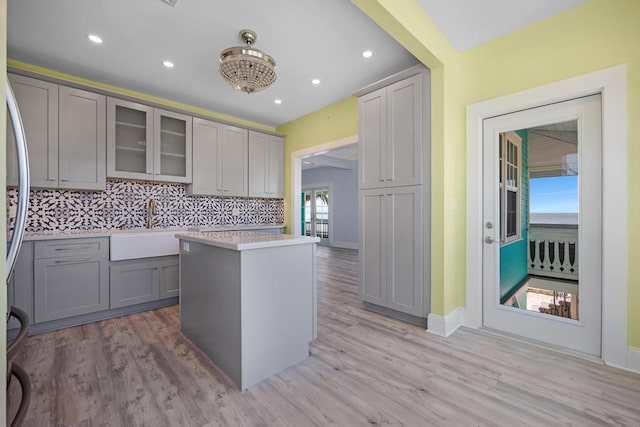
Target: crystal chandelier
(245, 68)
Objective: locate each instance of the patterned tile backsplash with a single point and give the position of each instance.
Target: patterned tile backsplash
(125, 202)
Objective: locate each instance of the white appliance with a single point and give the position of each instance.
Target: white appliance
(13, 348)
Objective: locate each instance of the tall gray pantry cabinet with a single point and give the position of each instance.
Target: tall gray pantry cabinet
(394, 195)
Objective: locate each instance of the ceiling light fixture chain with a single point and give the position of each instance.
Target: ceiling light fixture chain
(245, 68)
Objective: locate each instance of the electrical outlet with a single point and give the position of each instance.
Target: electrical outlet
(235, 211)
(185, 247)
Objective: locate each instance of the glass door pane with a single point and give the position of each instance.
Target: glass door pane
(321, 197)
(173, 143)
(131, 140)
(539, 233)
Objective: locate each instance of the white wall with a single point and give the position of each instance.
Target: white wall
(344, 199)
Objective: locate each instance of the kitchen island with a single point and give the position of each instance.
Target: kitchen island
(247, 300)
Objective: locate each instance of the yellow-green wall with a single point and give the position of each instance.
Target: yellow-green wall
(596, 35)
(331, 123)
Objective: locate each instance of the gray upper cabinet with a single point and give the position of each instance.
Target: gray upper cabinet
(65, 130)
(207, 158)
(266, 165)
(235, 160)
(391, 133)
(147, 143)
(82, 142)
(391, 248)
(172, 146)
(129, 140)
(71, 277)
(38, 103)
(220, 159)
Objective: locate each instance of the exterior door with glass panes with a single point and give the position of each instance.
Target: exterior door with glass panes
(316, 213)
(542, 243)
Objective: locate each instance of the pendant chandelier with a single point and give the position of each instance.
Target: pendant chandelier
(245, 68)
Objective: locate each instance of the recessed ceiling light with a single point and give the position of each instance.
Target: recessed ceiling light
(367, 54)
(94, 38)
(167, 64)
(277, 101)
(315, 81)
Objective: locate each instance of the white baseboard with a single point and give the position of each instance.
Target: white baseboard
(344, 245)
(445, 326)
(633, 359)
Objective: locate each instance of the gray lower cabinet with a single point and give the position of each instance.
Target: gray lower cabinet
(391, 251)
(143, 280)
(71, 277)
(20, 284)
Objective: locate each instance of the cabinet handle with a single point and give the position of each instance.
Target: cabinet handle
(69, 261)
(76, 248)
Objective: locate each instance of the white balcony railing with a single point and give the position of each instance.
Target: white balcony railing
(553, 251)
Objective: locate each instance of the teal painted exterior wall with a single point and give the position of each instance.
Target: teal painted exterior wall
(513, 257)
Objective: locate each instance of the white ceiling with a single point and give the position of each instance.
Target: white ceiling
(469, 23)
(309, 39)
(342, 157)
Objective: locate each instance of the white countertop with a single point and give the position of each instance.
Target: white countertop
(78, 234)
(243, 240)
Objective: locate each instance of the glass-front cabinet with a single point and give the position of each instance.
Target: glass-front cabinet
(147, 143)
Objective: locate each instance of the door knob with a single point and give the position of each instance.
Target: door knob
(489, 240)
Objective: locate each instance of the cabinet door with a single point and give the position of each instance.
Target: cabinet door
(170, 278)
(276, 167)
(404, 249)
(404, 130)
(258, 164)
(82, 140)
(129, 140)
(134, 282)
(207, 158)
(235, 158)
(70, 286)
(172, 146)
(20, 284)
(373, 246)
(373, 136)
(38, 104)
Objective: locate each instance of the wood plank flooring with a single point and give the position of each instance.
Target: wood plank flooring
(365, 369)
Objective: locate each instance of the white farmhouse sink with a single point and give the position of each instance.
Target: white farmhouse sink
(143, 244)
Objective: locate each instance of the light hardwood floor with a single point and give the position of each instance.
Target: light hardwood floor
(365, 369)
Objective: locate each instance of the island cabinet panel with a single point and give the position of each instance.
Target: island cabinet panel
(71, 277)
(20, 284)
(250, 307)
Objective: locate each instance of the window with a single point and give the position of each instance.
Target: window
(510, 177)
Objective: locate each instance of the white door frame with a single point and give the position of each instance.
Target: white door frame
(296, 176)
(612, 84)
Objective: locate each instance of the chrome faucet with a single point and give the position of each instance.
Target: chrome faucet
(152, 209)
